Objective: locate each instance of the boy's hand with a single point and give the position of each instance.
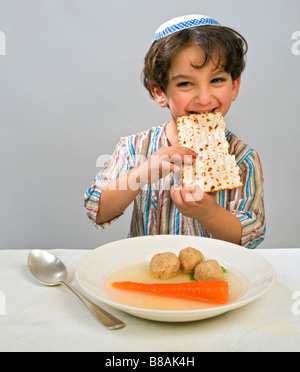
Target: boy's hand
(194, 203)
(164, 161)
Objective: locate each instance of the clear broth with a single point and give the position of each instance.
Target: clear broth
(141, 273)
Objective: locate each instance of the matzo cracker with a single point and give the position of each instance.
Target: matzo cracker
(214, 169)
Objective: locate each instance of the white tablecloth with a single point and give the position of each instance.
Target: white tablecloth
(39, 318)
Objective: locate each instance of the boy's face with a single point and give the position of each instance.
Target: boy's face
(191, 89)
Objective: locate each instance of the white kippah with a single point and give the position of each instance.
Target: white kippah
(182, 23)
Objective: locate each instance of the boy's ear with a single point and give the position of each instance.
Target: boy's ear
(235, 88)
(159, 96)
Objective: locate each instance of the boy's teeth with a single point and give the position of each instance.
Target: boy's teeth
(203, 112)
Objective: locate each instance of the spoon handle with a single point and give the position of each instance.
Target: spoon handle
(107, 319)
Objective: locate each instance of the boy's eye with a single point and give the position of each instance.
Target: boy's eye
(218, 80)
(184, 84)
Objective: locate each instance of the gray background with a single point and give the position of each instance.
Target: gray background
(70, 87)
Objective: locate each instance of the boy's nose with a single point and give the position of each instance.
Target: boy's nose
(203, 97)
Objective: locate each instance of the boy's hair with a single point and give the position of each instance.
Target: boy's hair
(226, 43)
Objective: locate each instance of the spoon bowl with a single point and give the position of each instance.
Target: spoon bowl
(47, 268)
(50, 271)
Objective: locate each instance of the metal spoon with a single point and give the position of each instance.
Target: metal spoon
(50, 271)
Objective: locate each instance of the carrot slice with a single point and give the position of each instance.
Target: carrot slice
(213, 291)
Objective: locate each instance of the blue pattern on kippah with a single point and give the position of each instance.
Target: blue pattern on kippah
(183, 25)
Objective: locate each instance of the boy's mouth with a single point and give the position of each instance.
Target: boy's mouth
(202, 112)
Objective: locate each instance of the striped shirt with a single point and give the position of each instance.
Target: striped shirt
(154, 211)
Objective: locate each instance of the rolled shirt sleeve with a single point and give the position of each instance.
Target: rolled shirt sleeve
(247, 202)
(118, 164)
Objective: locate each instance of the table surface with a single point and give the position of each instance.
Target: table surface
(39, 318)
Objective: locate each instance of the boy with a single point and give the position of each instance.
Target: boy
(193, 65)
